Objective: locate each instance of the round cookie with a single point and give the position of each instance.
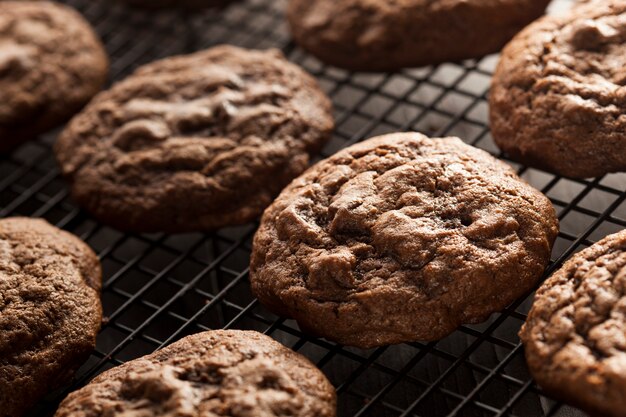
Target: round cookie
(195, 142)
(50, 310)
(51, 64)
(383, 35)
(558, 98)
(401, 238)
(215, 373)
(575, 333)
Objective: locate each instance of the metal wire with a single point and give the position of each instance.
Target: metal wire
(159, 288)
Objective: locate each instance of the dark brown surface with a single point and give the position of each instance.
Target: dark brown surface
(51, 64)
(558, 98)
(401, 238)
(377, 35)
(50, 310)
(179, 4)
(195, 142)
(478, 368)
(217, 373)
(575, 334)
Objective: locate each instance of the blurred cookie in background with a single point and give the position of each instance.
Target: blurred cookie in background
(51, 64)
(382, 35)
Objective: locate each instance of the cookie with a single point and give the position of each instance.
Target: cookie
(50, 310)
(181, 4)
(558, 98)
(379, 35)
(401, 238)
(51, 64)
(214, 373)
(195, 142)
(575, 333)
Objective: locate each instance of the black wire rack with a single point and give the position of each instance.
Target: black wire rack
(159, 288)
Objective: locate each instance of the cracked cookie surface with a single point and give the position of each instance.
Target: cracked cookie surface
(575, 333)
(384, 35)
(558, 95)
(50, 310)
(51, 64)
(195, 142)
(216, 373)
(401, 238)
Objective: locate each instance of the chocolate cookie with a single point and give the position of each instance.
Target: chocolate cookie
(575, 333)
(195, 142)
(51, 64)
(50, 310)
(558, 97)
(382, 35)
(216, 373)
(401, 238)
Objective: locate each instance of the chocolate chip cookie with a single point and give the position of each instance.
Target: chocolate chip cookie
(383, 35)
(195, 142)
(558, 96)
(575, 333)
(401, 238)
(51, 64)
(50, 310)
(215, 373)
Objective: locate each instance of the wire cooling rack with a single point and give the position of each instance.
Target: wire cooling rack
(158, 288)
